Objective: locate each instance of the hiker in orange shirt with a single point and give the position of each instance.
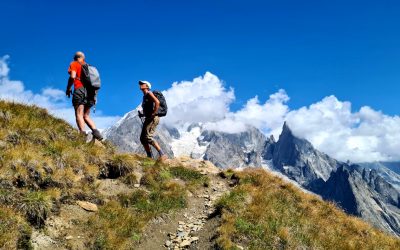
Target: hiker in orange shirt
(82, 98)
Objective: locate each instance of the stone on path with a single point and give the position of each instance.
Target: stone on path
(88, 206)
(184, 243)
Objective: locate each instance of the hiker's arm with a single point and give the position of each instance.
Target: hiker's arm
(71, 79)
(156, 102)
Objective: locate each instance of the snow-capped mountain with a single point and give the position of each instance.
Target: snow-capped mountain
(371, 194)
(125, 135)
(385, 171)
(223, 149)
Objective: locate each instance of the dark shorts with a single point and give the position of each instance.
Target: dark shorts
(83, 97)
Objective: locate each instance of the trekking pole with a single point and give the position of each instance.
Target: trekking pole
(95, 102)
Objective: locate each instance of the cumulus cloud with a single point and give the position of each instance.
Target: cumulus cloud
(330, 125)
(364, 135)
(50, 98)
(204, 99)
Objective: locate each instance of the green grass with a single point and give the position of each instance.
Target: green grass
(36, 207)
(264, 212)
(190, 175)
(114, 226)
(119, 223)
(15, 233)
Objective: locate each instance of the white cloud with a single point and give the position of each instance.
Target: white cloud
(4, 69)
(330, 125)
(364, 135)
(52, 99)
(204, 99)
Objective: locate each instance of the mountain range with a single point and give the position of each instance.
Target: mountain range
(368, 190)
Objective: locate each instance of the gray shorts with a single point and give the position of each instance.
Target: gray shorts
(83, 97)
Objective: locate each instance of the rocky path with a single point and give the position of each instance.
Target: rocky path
(188, 231)
(191, 228)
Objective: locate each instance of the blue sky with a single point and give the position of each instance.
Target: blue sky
(311, 49)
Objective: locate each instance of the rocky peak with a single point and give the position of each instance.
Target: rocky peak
(364, 193)
(298, 159)
(286, 129)
(234, 150)
(125, 134)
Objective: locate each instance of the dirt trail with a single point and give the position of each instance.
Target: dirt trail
(190, 228)
(66, 230)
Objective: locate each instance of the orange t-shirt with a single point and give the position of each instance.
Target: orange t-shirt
(77, 67)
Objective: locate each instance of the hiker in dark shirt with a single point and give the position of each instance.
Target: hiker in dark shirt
(82, 99)
(150, 107)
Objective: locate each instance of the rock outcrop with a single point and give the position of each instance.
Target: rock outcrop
(364, 193)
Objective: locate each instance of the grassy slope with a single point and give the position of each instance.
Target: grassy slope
(264, 212)
(45, 163)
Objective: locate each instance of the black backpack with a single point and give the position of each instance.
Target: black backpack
(163, 109)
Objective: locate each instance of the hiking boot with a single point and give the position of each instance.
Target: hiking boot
(97, 135)
(162, 158)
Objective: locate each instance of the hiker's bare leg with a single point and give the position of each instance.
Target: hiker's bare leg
(80, 122)
(156, 146)
(88, 120)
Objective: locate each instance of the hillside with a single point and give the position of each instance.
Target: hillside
(58, 192)
(374, 196)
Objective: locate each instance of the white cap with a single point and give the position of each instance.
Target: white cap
(145, 82)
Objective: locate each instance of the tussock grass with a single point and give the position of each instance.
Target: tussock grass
(39, 152)
(120, 222)
(119, 165)
(264, 212)
(192, 176)
(44, 161)
(15, 233)
(114, 227)
(36, 207)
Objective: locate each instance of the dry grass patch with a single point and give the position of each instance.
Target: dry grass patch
(14, 231)
(119, 223)
(264, 212)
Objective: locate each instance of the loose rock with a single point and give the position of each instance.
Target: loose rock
(88, 206)
(185, 243)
